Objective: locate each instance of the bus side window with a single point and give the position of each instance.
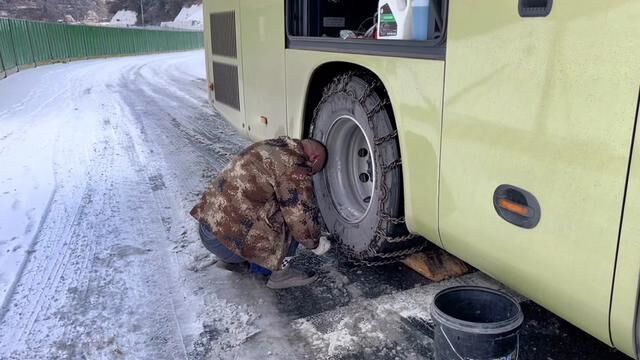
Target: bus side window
(352, 19)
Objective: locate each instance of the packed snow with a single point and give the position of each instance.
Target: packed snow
(97, 245)
(101, 162)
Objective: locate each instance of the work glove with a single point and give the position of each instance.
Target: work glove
(323, 246)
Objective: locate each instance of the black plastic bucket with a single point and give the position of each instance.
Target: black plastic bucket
(476, 323)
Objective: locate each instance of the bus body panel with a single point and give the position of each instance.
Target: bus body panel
(207, 7)
(546, 105)
(415, 89)
(626, 291)
(263, 67)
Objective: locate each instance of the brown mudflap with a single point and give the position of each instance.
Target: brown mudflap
(436, 264)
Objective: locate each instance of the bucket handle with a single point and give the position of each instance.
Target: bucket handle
(462, 358)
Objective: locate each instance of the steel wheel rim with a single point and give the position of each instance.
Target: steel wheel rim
(350, 172)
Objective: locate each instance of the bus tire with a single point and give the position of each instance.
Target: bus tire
(353, 113)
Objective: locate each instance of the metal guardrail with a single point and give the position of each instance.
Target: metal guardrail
(25, 44)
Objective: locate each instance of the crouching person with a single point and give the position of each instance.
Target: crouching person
(261, 206)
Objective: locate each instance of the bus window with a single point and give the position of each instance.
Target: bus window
(352, 26)
(343, 19)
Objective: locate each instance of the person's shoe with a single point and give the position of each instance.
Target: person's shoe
(240, 268)
(289, 278)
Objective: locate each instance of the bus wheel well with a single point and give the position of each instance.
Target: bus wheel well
(321, 77)
(360, 191)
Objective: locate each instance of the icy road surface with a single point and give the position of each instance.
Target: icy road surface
(100, 163)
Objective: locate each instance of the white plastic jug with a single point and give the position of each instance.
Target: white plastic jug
(394, 19)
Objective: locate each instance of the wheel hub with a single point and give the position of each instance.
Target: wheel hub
(350, 171)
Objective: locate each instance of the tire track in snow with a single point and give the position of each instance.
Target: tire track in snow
(187, 157)
(5, 304)
(156, 209)
(102, 282)
(23, 137)
(70, 265)
(59, 238)
(203, 130)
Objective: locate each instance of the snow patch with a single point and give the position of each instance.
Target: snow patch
(124, 18)
(226, 326)
(27, 181)
(190, 18)
(367, 325)
(194, 12)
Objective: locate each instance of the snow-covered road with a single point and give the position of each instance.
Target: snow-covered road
(91, 215)
(101, 161)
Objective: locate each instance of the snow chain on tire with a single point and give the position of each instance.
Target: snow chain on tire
(371, 257)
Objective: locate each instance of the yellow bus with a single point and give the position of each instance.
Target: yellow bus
(505, 136)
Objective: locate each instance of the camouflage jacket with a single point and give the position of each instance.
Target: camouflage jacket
(263, 194)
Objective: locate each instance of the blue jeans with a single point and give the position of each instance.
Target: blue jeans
(212, 244)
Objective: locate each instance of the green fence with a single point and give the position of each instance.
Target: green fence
(25, 44)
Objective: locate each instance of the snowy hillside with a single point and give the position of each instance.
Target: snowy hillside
(91, 11)
(192, 13)
(189, 18)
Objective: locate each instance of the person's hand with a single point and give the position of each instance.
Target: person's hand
(323, 246)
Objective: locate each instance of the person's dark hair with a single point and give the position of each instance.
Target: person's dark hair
(320, 151)
(326, 151)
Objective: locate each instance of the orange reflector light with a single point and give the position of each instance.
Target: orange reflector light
(512, 207)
